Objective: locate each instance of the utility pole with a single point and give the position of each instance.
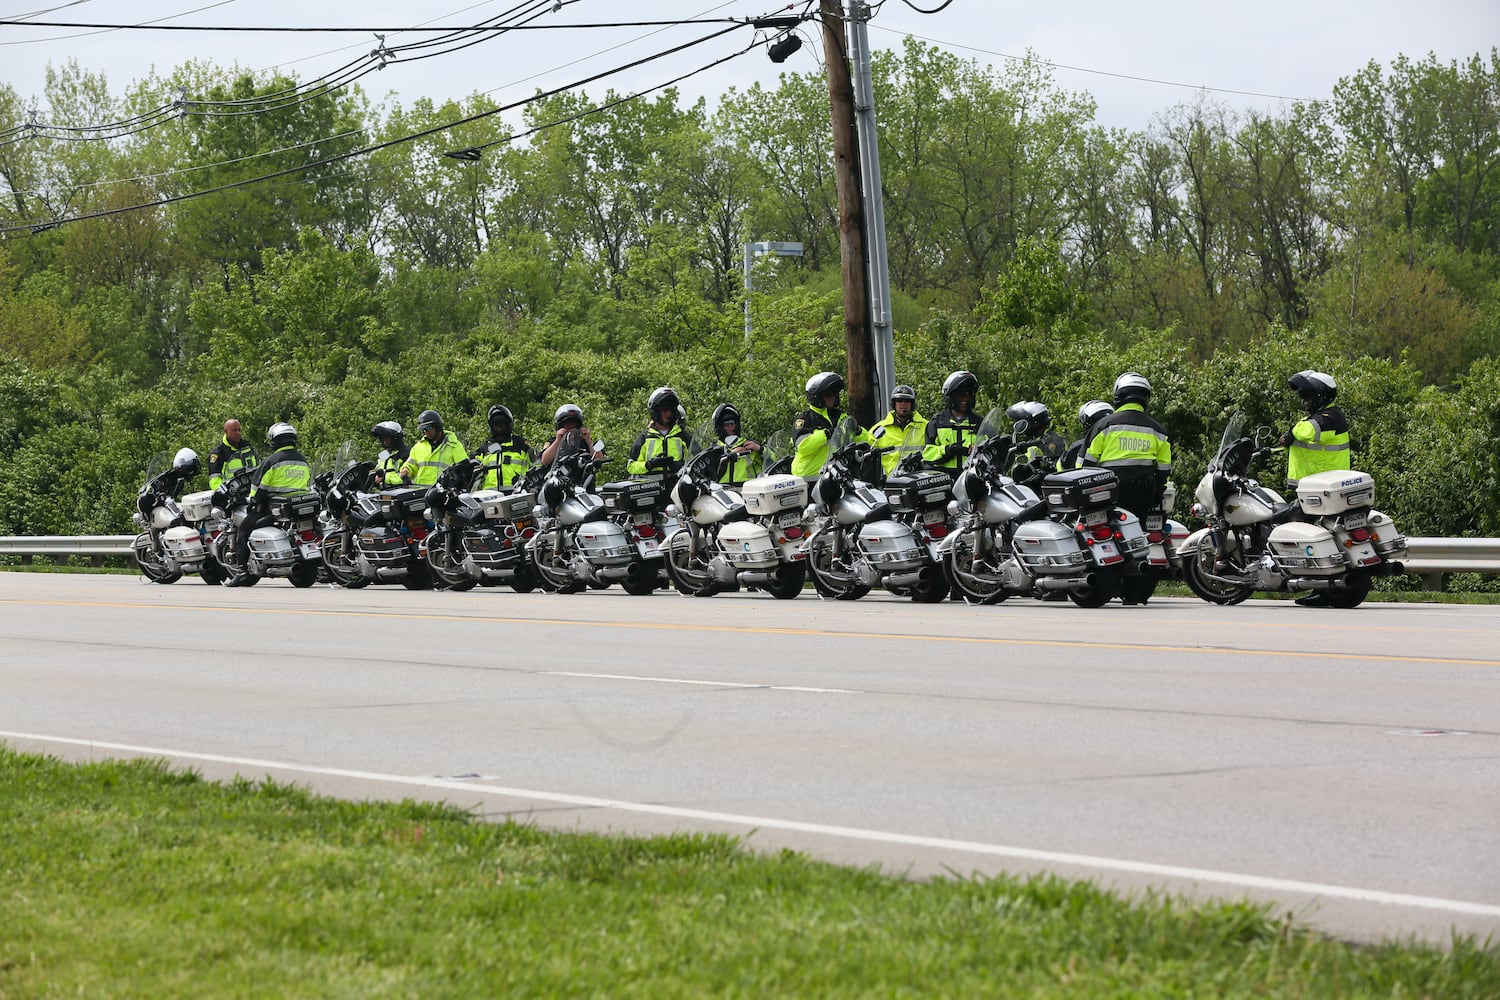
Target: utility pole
(861, 375)
(882, 336)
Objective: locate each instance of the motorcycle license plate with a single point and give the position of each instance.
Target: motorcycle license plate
(1354, 520)
(649, 548)
(1153, 522)
(790, 518)
(1097, 517)
(310, 550)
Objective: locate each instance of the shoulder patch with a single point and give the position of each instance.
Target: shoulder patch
(798, 425)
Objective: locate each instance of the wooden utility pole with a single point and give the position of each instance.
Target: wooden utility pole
(861, 374)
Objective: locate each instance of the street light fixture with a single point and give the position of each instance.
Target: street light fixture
(752, 251)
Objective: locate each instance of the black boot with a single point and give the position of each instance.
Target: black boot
(1317, 599)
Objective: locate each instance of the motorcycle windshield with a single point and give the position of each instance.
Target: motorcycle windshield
(776, 448)
(993, 425)
(1233, 432)
(844, 433)
(157, 464)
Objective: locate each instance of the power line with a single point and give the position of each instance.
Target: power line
(85, 34)
(340, 157)
(284, 29)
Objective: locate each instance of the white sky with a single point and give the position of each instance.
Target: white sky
(1284, 48)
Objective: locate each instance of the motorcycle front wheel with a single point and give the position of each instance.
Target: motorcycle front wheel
(446, 568)
(342, 570)
(150, 566)
(418, 577)
(934, 589)
(688, 570)
(211, 572)
(831, 579)
(1203, 561)
(972, 587)
(553, 578)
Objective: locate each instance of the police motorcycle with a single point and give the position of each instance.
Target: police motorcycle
(729, 537)
(291, 547)
(854, 543)
(577, 545)
(1008, 541)
(371, 533)
(479, 536)
(1165, 536)
(176, 535)
(921, 498)
(1331, 540)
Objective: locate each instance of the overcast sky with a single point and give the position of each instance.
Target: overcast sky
(1136, 57)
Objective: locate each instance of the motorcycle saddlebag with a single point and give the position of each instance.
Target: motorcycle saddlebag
(271, 546)
(1306, 549)
(405, 503)
(504, 506)
(632, 495)
(920, 491)
(748, 546)
(1047, 548)
(1081, 491)
(184, 545)
(197, 506)
(774, 494)
(1335, 492)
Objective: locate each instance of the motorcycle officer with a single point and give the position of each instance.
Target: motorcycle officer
(660, 450)
(1089, 414)
(951, 433)
(437, 450)
(1319, 441)
(285, 471)
(393, 452)
(185, 466)
(902, 431)
(813, 425)
(568, 420)
(230, 455)
(507, 456)
(744, 455)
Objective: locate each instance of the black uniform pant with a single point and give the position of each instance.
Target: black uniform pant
(257, 517)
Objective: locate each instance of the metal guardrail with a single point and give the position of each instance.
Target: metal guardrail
(1429, 558)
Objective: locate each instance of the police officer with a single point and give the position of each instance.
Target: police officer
(1089, 414)
(951, 433)
(568, 420)
(230, 455)
(437, 450)
(283, 473)
(393, 452)
(662, 447)
(507, 456)
(744, 454)
(1319, 442)
(1139, 451)
(902, 431)
(811, 429)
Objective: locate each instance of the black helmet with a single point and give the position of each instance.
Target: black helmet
(905, 392)
(1034, 416)
(957, 384)
(821, 384)
(724, 413)
(501, 416)
(387, 429)
(1092, 412)
(281, 435)
(1132, 387)
(1317, 389)
(664, 398)
(566, 412)
(429, 418)
(186, 462)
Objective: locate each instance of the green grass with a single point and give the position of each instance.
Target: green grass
(128, 879)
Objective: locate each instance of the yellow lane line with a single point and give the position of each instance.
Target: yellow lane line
(771, 630)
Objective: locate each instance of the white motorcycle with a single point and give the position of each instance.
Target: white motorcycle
(731, 538)
(577, 545)
(177, 535)
(1331, 540)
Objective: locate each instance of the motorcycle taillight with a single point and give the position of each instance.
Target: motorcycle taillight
(1155, 537)
(1360, 534)
(938, 529)
(793, 532)
(308, 535)
(645, 530)
(1103, 532)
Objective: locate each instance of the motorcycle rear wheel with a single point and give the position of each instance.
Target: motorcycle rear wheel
(341, 570)
(934, 590)
(1353, 595)
(1210, 590)
(643, 584)
(788, 583)
(418, 577)
(971, 587)
(1095, 597)
(212, 573)
(688, 570)
(524, 581)
(830, 580)
(304, 574)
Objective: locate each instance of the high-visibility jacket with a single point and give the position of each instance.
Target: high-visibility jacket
(426, 460)
(1137, 449)
(945, 430)
(653, 444)
(226, 459)
(286, 471)
(504, 462)
(895, 442)
(1318, 442)
(810, 441)
(739, 468)
(389, 463)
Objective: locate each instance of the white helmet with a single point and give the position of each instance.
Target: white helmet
(566, 412)
(1132, 387)
(186, 460)
(281, 435)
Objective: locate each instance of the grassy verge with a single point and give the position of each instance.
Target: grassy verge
(124, 878)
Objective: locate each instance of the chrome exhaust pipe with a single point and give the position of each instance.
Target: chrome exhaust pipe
(1049, 583)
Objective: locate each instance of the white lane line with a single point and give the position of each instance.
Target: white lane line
(682, 680)
(849, 833)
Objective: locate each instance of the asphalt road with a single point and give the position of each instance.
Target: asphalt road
(1343, 764)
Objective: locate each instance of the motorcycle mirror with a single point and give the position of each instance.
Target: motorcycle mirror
(599, 447)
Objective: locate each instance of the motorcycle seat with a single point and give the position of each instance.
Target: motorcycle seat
(1285, 513)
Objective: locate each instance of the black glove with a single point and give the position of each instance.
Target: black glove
(660, 463)
(957, 450)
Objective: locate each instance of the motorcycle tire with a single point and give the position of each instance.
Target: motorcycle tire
(789, 583)
(642, 584)
(555, 581)
(340, 570)
(1137, 589)
(934, 591)
(212, 573)
(1098, 596)
(151, 567)
(524, 582)
(449, 575)
(828, 580)
(968, 586)
(303, 575)
(1223, 595)
(1352, 596)
(419, 577)
(689, 574)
